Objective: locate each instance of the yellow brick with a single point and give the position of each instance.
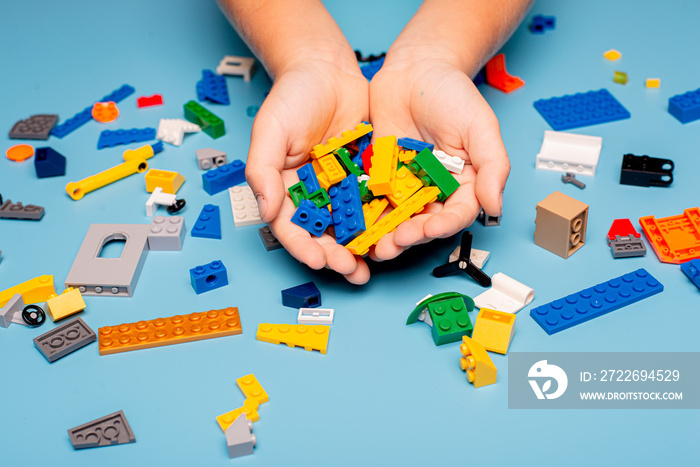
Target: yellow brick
(373, 210)
(653, 82)
(361, 244)
(494, 330)
(406, 156)
(382, 174)
(252, 389)
(310, 337)
(404, 186)
(35, 290)
(169, 181)
(323, 181)
(336, 143)
(68, 303)
(332, 168)
(250, 408)
(480, 369)
(612, 55)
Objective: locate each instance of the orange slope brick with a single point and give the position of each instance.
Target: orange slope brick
(167, 331)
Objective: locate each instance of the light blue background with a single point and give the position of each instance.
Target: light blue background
(384, 394)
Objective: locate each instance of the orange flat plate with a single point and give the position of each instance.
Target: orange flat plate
(675, 239)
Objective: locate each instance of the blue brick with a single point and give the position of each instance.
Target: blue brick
(348, 218)
(157, 147)
(212, 87)
(308, 176)
(414, 145)
(302, 296)
(224, 177)
(685, 107)
(541, 23)
(208, 277)
(208, 223)
(109, 138)
(371, 68)
(596, 301)
(692, 270)
(81, 118)
(581, 109)
(309, 217)
(49, 163)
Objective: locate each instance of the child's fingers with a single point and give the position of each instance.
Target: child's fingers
(268, 149)
(458, 212)
(386, 248)
(361, 273)
(339, 258)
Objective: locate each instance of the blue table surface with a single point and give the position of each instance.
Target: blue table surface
(384, 393)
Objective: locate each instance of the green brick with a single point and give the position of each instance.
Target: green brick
(343, 156)
(210, 123)
(320, 198)
(449, 313)
(429, 169)
(298, 193)
(365, 194)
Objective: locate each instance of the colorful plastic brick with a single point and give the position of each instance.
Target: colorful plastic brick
(345, 160)
(366, 157)
(8, 210)
(252, 389)
(308, 177)
(35, 127)
(384, 162)
(149, 101)
(506, 294)
(476, 362)
(560, 225)
(158, 198)
(240, 439)
(208, 158)
(250, 409)
(312, 219)
(454, 164)
(646, 171)
(653, 83)
(371, 68)
(541, 23)
(331, 168)
(295, 335)
(298, 193)
(620, 77)
(168, 331)
(208, 277)
(166, 233)
(222, 178)
(172, 130)
(64, 339)
(596, 301)
(476, 256)
(675, 239)
(361, 244)
(210, 123)
(612, 55)
(269, 240)
(81, 118)
(405, 185)
(315, 316)
(237, 66)
(135, 161)
(109, 430)
(336, 143)
(494, 330)
(692, 270)
(35, 290)
(372, 210)
(414, 144)
(19, 152)
(95, 275)
(109, 138)
(252, 110)
(69, 302)
(302, 296)
(407, 155)
(212, 87)
(581, 109)
(463, 263)
(499, 78)
(448, 316)
(49, 163)
(208, 223)
(569, 152)
(431, 172)
(105, 112)
(10, 311)
(348, 218)
(244, 206)
(624, 240)
(685, 107)
(168, 181)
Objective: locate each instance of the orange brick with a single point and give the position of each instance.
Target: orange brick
(167, 331)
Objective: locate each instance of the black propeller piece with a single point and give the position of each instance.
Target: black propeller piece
(464, 264)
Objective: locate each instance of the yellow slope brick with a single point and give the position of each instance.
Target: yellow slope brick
(480, 369)
(494, 330)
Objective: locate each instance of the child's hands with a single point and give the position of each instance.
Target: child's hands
(433, 100)
(310, 101)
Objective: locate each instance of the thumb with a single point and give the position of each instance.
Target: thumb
(268, 149)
